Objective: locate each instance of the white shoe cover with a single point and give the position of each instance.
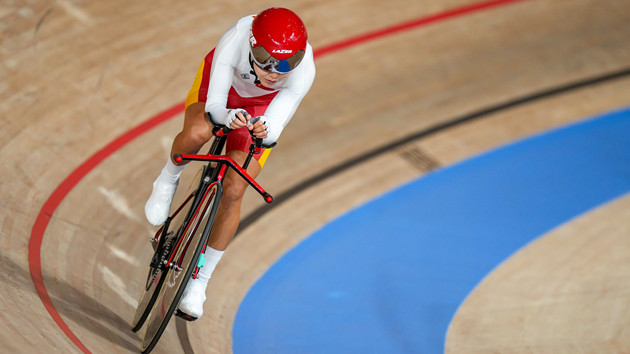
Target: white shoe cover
(193, 298)
(159, 204)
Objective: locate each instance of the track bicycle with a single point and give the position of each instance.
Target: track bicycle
(180, 243)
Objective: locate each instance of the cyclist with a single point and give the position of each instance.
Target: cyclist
(262, 66)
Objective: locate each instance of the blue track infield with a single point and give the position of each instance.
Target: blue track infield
(389, 276)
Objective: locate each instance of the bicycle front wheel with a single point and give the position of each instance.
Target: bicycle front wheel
(182, 265)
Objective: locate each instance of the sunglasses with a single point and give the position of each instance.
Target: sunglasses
(268, 63)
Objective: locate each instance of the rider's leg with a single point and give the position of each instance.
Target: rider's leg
(195, 133)
(229, 213)
(223, 230)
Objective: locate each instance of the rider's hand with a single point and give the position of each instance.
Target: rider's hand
(259, 129)
(240, 119)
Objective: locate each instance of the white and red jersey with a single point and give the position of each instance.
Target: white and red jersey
(232, 68)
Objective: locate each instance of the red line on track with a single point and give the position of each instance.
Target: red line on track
(45, 214)
(423, 21)
(49, 207)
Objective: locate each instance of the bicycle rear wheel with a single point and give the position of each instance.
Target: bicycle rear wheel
(155, 279)
(180, 270)
(155, 276)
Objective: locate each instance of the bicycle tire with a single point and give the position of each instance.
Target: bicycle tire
(146, 302)
(150, 293)
(171, 293)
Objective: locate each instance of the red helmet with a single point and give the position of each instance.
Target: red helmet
(278, 40)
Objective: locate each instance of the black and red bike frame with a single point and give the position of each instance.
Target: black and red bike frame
(213, 175)
(182, 249)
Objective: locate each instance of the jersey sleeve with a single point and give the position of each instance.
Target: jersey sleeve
(283, 106)
(226, 55)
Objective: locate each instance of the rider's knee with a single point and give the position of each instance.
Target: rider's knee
(233, 192)
(198, 134)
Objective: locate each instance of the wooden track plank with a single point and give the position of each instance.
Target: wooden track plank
(76, 75)
(563, 293)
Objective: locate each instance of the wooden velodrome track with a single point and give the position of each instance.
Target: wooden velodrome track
(77, 75)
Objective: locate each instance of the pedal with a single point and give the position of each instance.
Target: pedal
(185, 316)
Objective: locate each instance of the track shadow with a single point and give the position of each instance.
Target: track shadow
(74, 305)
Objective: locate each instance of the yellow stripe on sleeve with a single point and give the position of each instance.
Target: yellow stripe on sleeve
(193, 94)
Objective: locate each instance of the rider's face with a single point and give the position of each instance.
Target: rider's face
(268, 78)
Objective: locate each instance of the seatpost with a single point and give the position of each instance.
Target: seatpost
(252, 150)
(256, 145)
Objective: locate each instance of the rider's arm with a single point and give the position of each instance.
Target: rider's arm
(225, 55)
(286, 102)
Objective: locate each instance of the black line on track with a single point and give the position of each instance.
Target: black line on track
(343, 166)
